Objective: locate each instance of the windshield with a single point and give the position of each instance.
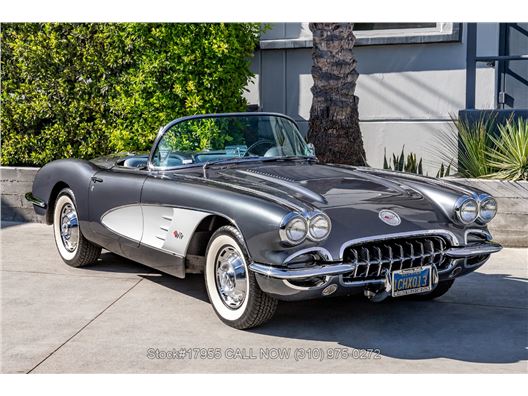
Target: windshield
(221, 138)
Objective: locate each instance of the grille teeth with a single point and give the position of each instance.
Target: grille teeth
(374, 259)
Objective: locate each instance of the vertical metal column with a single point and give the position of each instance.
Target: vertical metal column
(500, 67)
(471, 65)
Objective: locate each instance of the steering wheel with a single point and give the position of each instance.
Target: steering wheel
(256, 144)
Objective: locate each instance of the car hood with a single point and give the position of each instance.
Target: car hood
(318, 186)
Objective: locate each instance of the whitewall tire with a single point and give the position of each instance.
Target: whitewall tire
(231, 286)
(74, 249)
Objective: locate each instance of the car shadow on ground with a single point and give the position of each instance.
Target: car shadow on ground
(467, 324)
(111, 262)
(193, 285)
(456, 326)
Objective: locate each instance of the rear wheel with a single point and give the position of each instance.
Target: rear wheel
(74, 248)
(231, 286)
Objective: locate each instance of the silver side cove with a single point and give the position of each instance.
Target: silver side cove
(160, 227)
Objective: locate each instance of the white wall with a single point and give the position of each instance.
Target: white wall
(406, 92)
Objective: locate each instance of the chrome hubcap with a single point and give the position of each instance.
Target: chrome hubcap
(231, 277)
(69, 228)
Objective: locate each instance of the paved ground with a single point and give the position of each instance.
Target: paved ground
(106, 317)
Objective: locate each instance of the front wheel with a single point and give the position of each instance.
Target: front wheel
(74, 248)
(231, 286)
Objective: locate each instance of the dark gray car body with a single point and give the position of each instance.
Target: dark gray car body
(254, 196)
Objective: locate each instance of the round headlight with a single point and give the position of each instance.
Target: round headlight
(293, 229)
(319, 227)
(467, 210)
(488, 209)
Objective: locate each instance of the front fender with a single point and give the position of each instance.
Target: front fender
(257, 218)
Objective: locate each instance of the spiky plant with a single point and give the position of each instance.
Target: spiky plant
(471, 147)
(444, 171)
(403, 164)
(509, 152)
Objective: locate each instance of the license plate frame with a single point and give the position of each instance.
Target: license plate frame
(411, 281)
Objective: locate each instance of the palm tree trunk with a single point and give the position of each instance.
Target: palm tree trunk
(334, 120)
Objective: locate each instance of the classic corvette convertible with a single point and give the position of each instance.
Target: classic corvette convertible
(242, 198)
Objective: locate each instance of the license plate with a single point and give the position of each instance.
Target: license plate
(411, 281)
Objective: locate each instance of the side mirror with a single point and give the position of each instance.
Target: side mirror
(311, 149)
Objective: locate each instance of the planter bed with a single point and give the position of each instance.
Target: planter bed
(16, 182)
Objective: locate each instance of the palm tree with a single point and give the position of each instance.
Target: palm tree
(334, 120)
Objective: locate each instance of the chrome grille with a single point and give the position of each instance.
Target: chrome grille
(374, 259)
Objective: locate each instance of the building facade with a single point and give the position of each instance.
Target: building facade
(412, 80)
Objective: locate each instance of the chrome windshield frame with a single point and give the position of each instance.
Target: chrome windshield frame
(171, 124)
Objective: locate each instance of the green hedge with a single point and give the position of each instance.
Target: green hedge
(83, 90)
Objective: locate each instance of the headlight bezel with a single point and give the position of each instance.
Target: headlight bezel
(308, 219)
(483, 199)
(461, 203)
(286, 224)
(316, 216)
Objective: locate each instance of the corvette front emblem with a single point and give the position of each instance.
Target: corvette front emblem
(389, 217)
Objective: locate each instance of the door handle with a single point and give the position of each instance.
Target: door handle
(96, 179)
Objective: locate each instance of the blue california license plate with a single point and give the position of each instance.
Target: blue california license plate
(411, 281)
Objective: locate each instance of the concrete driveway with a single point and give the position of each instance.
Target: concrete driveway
(119, 316)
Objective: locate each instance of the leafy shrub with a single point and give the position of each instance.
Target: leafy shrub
(83, 90)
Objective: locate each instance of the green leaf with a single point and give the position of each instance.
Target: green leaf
(510, 152)
(88, 89)
(385, 162)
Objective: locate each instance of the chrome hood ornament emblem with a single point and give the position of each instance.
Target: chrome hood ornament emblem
(389, 217)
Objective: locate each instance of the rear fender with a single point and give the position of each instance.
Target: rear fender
(56, 175)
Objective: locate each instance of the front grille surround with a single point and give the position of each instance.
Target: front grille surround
(373, 260)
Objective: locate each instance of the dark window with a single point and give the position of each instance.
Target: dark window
(387, 26)
(513, 74)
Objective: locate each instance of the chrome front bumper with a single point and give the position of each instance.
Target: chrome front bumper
(285, 273)
(475, 249)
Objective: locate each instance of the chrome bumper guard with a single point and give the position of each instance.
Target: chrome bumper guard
(475, 249)
(285, 273)
(34, 200)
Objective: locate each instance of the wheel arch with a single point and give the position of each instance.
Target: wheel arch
(203, 232)
(64, 173)
(57, 188)
(196, 250)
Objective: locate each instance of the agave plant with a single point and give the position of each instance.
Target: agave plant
(471, 147)
(509, 153)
